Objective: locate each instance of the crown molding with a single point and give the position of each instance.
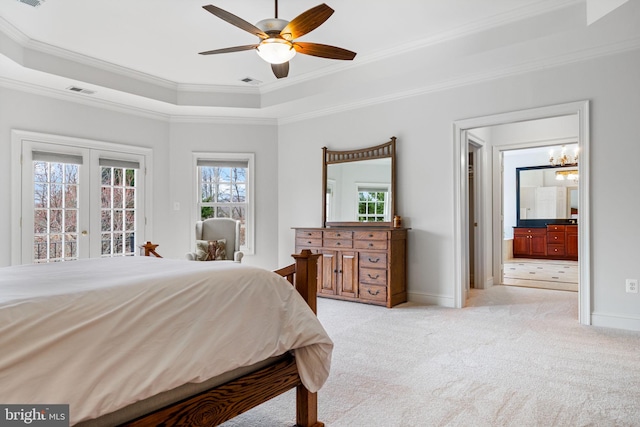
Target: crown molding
(547, 63)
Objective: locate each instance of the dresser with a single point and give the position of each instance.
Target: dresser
(360, 264)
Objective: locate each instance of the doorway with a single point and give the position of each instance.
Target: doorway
(492, 225)
(540, 205)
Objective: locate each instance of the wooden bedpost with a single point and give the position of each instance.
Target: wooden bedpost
(306, 283)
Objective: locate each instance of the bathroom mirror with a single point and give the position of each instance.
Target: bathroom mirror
(546, 195)
(359, 186)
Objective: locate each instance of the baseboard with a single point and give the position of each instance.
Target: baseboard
(615, 321)
(429, 299)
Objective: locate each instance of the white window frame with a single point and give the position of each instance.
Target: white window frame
(249, 247)
(23, 143)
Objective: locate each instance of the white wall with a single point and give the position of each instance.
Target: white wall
(173, 177)
(423, 125)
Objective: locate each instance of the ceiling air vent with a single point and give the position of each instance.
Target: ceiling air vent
(251, 81)
(81, 90)
(34, 3)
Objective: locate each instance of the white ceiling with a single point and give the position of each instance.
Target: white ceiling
(147, 50)
(162, 38)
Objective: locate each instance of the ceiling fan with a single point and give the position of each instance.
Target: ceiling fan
(278, 43)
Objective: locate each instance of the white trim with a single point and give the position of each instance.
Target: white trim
(249, 248)
(609, 320)
(429, 299)
(18, 140)
(581, 109)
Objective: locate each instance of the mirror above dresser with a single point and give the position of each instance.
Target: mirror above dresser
(358, 186)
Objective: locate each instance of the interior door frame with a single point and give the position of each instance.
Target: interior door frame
(461, 240)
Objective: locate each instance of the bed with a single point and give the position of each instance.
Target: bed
(129, 341)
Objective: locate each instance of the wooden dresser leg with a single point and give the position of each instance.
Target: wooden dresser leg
(307, 408)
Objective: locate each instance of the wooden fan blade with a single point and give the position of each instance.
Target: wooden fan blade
(280, 70)
(230, 49)
(306, 22)
(323, 51)
(234, 20)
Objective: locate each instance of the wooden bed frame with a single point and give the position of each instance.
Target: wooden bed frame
(217, 405)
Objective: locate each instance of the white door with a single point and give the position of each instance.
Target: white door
(79, 202)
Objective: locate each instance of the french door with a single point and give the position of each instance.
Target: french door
(79, 201)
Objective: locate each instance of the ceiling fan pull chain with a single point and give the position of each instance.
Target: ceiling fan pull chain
(276, 9)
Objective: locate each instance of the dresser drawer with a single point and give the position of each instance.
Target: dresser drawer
(555, 250)
(559, 228)
(370, 235)
(373, 276)
(373, 260)
(340, 235)
(373, 292)
(555, 237)
(308, 242)
(308, 234)
(370, 244)
(338, 243)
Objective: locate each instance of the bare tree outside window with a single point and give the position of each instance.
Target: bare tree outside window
(55, 228)
(223, 194)
(118, 211)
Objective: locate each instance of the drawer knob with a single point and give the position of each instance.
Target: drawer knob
(370, 235)
(555, 250)
(556, 238)
(338, 234)
(374, 294)
(337, 243)
(374, 261)
(370, 244)
(309, 242)
(371, 277)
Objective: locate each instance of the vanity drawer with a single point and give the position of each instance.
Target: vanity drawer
(370, 235)
(371, 244)
(555, 249)
(555, 237)
(308, 234)
(373, 292)
(373, 260)
(338, 243)
(308, 242)
(340, 235)
(526, 231)
(559, 228)
(373, 276)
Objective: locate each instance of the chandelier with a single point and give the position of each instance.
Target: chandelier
(563, 159)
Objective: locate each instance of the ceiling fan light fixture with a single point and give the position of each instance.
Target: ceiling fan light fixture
(276, 50)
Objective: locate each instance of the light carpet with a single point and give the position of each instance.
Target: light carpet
(514, 357)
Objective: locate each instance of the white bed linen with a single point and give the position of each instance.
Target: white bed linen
(100, 334)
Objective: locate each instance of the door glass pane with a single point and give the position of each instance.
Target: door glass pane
(118, 211)
(55, 219)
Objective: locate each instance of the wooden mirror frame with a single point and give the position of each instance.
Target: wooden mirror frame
(386, 150)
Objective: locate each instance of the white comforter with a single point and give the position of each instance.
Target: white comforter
(100, 334)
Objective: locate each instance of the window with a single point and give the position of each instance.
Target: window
(373, 205)
(224, 190)
(76, 198)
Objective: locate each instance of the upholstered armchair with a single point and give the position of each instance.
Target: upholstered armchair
(213, 230)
